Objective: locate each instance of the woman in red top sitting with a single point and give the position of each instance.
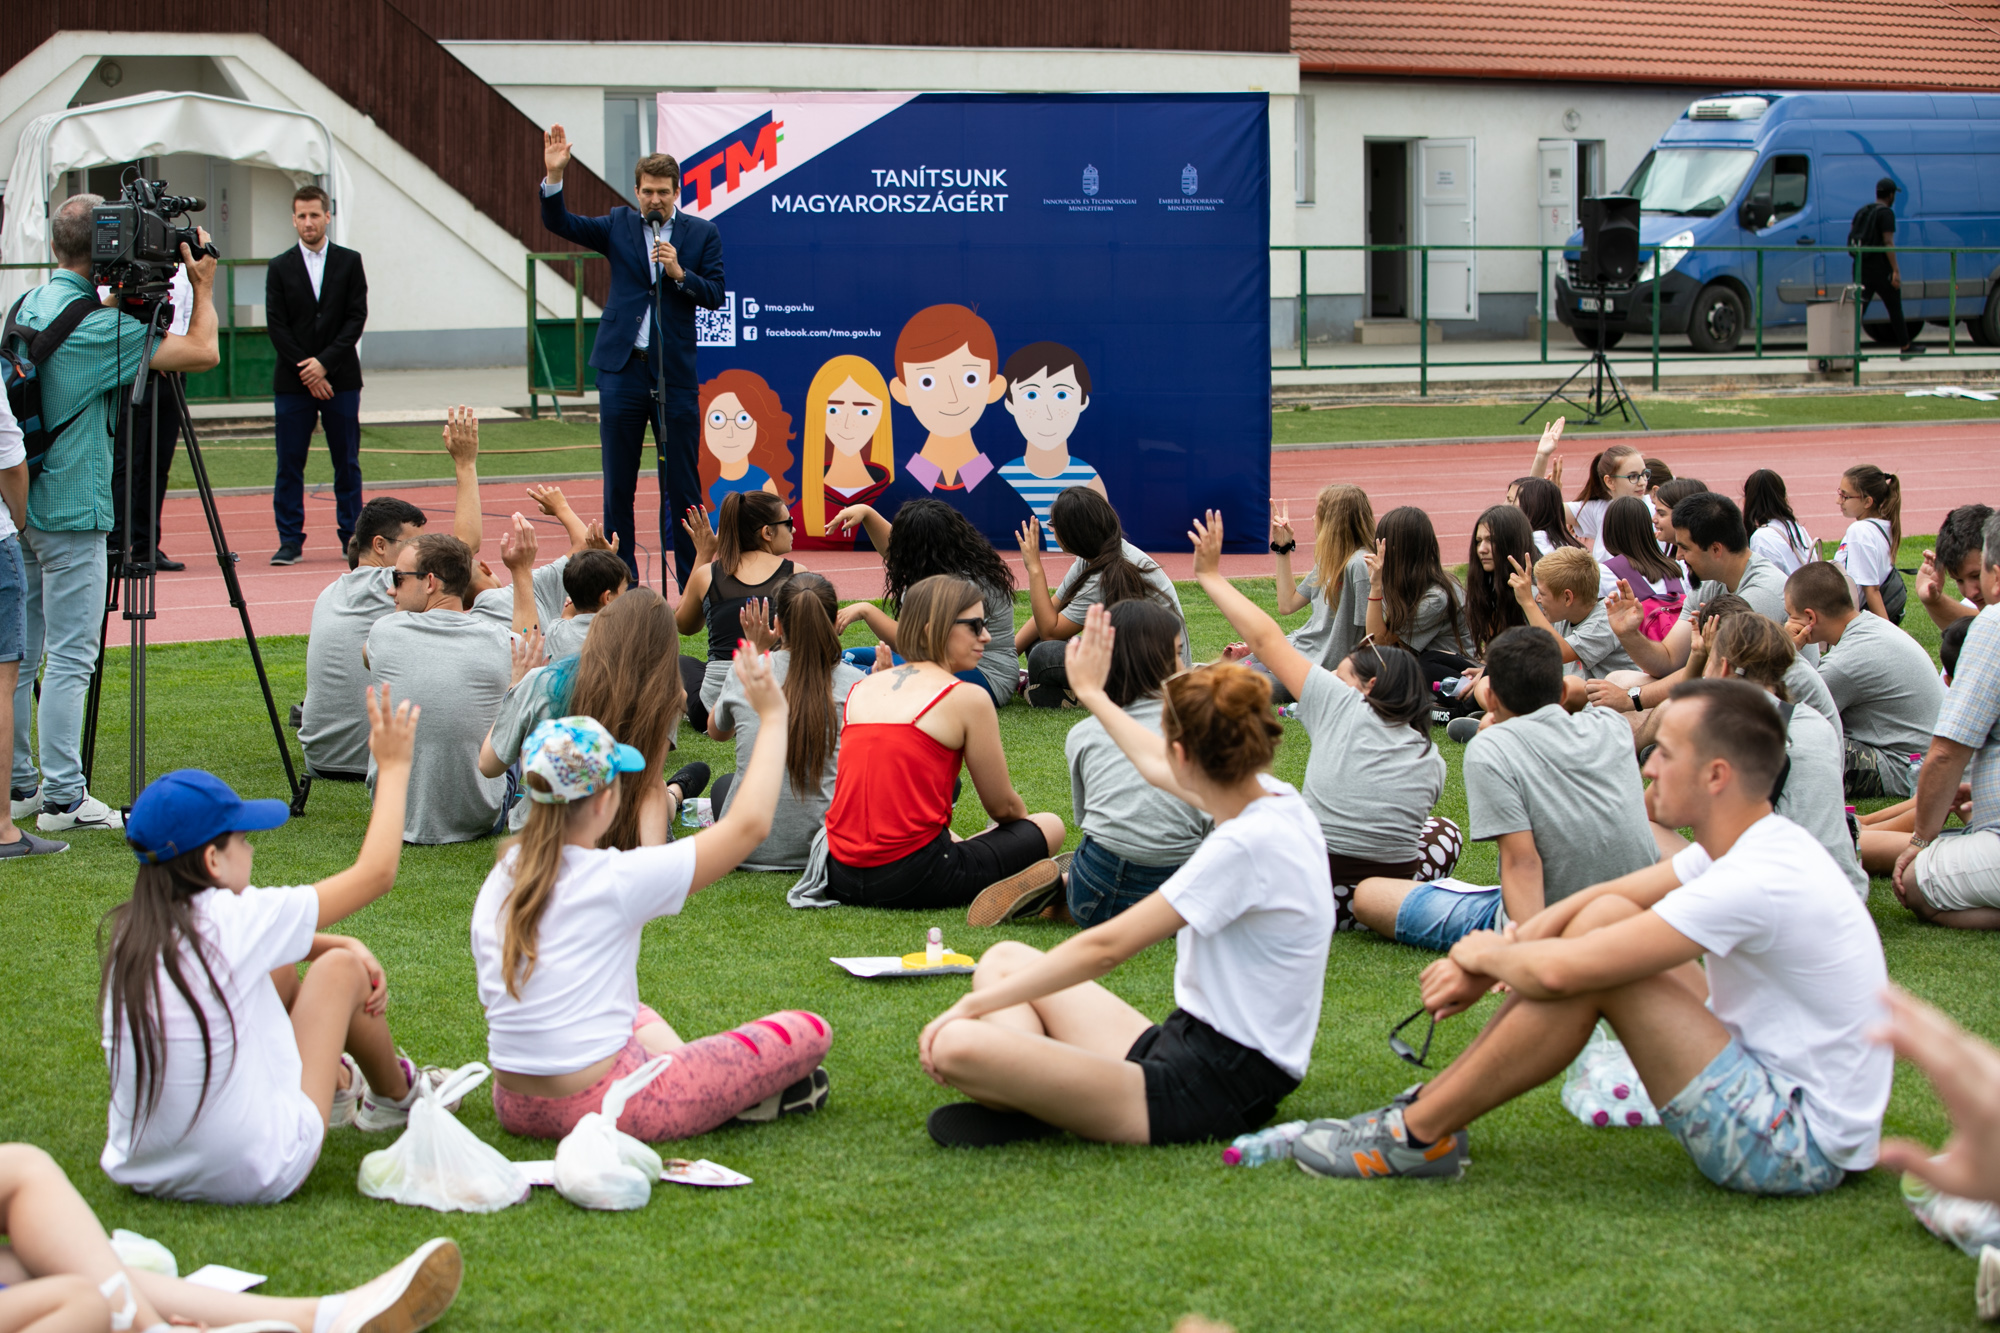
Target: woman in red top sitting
(888, 832)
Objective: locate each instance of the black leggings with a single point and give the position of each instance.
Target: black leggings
(693, 670)
(941, 873)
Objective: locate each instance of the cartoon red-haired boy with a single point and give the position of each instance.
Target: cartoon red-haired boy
(947, 361)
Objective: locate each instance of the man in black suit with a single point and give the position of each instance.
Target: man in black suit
(680, 263)
(317, 301)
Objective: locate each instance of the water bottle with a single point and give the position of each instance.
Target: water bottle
(697, 814)
(1266, 1145)
(934, 948)
(1288, 710)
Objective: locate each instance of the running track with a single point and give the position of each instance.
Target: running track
(1941, 467)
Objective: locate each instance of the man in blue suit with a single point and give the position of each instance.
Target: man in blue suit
(681, 263)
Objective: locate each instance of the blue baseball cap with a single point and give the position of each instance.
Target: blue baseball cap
(574, 757)
(190, 808)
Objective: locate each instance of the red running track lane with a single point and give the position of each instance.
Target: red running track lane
(1940, 466)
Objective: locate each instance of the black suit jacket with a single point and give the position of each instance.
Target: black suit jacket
(327, 327)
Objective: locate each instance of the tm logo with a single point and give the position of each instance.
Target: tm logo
(744, 149)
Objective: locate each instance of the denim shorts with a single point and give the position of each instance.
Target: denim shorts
(1440, 914)
(13, 601)
(1747, 1133)
(1102, 883)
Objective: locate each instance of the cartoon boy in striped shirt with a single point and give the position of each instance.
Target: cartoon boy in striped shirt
(1048, 387)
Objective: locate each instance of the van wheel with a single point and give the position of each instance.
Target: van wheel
(1717, 322)
(1879, 334)
(1985, 326)
(1588, 336)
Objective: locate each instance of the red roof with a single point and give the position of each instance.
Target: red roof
(1715, 43)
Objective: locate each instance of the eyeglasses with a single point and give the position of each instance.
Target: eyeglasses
(396, 576)
(973, 623)
(1403, 1050)
(1639, 479)
(1844, 497)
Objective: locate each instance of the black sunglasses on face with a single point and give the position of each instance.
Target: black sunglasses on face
(973, 623)
(396, 576)
(1403, 1050)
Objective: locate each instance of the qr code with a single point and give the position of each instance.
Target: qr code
(716, 328)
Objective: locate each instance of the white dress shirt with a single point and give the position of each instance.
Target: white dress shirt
(653, 236)
(315, 264)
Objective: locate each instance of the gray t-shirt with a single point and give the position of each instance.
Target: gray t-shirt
(527, 706)
(1332, 630)
(1432, 626)
(1082, 598)
(1000, 664)
(1804, 685)
(334, 733)
(1572, 780)
(1121, 811)
(562, 637)
(796, 820)
(455, 666)
(497, 604)
(1813, 797)
(1371, 785)
(1762, 585)
(1885, 686)
(1597, 649)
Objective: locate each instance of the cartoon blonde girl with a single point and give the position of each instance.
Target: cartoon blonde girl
(849, 456)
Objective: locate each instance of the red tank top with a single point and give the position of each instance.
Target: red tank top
(891, 790)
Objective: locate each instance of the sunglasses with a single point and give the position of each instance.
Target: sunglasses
(396, 576)
(1403, 1050)
(782, 523)
(973, 623)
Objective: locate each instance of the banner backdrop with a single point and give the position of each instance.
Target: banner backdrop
(987, 299)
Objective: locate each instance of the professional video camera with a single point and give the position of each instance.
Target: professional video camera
(136, 242)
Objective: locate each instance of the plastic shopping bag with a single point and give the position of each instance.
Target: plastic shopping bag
(599, 1165)
(438, 1163)
(1601, 1088)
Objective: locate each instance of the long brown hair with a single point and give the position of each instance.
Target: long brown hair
(628, 678)
(740, 525)
(146, 933)
(537, 862)
(924, 616)
(1343, 523)
(1411, 567)
(1088, 527)
(805, 607)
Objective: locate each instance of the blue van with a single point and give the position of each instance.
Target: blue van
(1791, 169)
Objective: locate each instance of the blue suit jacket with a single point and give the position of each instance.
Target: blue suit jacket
(620, 236)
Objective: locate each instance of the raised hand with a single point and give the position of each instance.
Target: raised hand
(1556, 471)
(1206, 538)
(1373, 559)
(555, 154)
(760, 687)
(1029, 539)
(392, 731)
(1551, 435)
(594, 538)
(528, 653)
(1626, 612)
(1930, 580)
(848, 519)
(1521, 579)
(1087, 656)
(549, 498)
(461, 435)
(1281, 522)
(518, 545)
(1966, 1073)
(884, 659)
(695, 524)
(755, 617)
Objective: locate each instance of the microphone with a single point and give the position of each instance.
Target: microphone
(656, 218)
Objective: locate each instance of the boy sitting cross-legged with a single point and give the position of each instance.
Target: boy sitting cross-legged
(1762, 1066)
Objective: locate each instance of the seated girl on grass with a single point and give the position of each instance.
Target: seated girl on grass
(555, 941)
(227, 1067)
(1039, 1045)
(1336, 587)
(907, 730)
(745, 559)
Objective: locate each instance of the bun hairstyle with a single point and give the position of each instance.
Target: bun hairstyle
(1221, 715)
(1401, 696)
(1886, 491)
(739, 527)
(805, 607)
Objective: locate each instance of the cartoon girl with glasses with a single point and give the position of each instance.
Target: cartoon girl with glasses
(744, 433)
(849, 455)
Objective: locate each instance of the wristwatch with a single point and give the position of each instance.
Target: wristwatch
(1637, 705)
(1286, 549)
(1918, 844)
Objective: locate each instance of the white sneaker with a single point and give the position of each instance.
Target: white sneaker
(88, 815)
(1988, 1290)
(376, 1113)
(348, 1099)
(412, 1295)
(31, 804)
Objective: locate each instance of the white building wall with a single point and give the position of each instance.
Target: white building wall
(1507, 120)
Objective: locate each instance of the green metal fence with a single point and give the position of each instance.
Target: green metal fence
(248, 359)
(558, 347)
(1975, 278)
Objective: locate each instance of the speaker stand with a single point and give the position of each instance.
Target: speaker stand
(1607, 392)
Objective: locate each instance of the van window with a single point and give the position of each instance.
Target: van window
(1784, 180)
(1691, 182)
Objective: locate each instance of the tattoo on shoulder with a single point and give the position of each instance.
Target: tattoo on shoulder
(902, 674)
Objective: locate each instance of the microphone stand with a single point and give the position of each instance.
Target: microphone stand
(657, 346)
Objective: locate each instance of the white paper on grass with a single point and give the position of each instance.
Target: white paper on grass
(698, 1172)
(893, 967)
(1953, 391)
(221, 1277)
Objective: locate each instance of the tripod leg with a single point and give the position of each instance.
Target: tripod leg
(226, 558)
(1618, 387)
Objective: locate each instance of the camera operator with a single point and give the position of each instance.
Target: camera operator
(157, 441)
(70, 514)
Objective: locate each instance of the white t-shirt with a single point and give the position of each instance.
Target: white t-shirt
(13, 453)
(1258, 901)
(1864, 552)
(258, 1134)
(1795, 972)
(1587, 517)
(579, 1004)
(1774, 543)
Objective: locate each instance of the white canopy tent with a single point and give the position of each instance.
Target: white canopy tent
(150, 125)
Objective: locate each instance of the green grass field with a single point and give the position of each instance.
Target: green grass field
(392, 454)
(857, 1221)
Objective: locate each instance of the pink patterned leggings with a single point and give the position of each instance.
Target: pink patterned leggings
(709, 1082)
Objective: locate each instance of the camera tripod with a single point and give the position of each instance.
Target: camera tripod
(134, 573)
(1607, 391)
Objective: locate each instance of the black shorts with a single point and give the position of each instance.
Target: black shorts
(1200, 1085)
(941, 873)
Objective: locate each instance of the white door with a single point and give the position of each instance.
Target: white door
(1556, 193)
(1446, 216)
